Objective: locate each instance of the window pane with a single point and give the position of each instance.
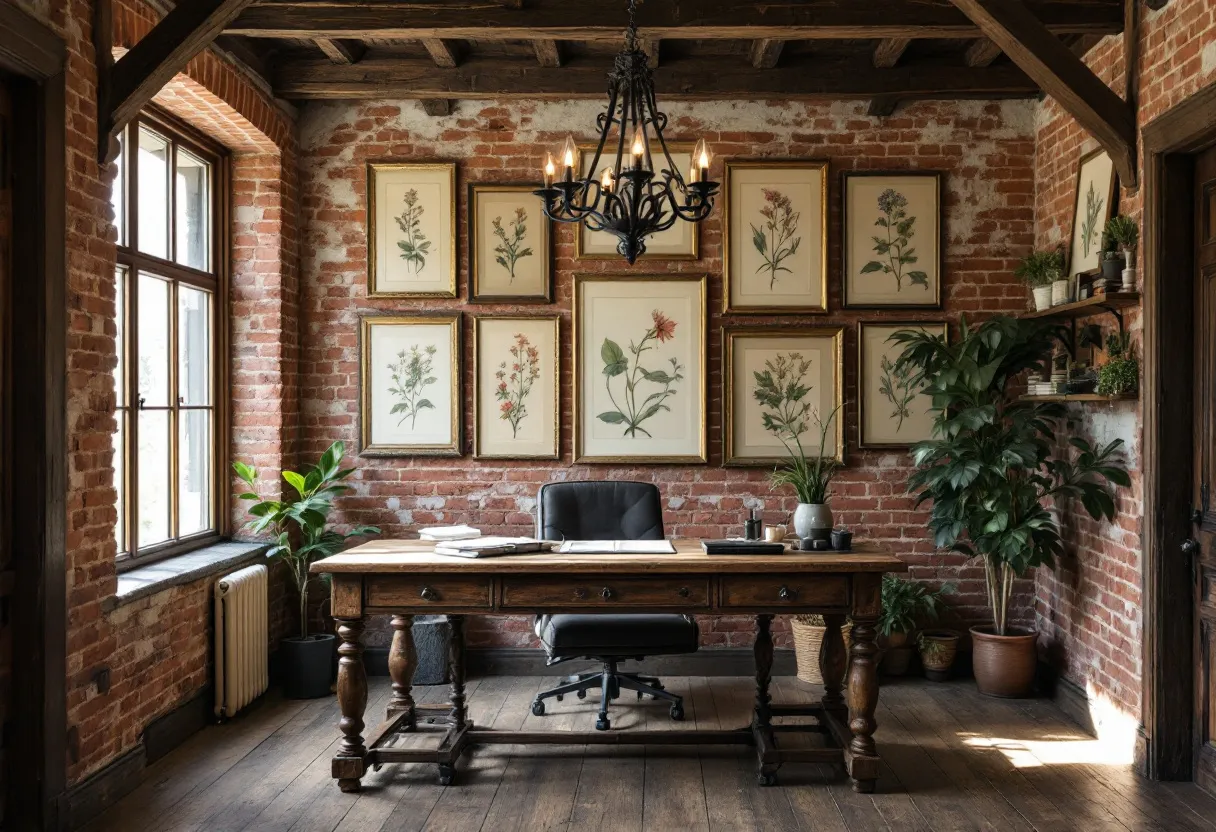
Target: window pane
(118, 196)
(153, 341)
(153, 477)
(193, 210)
(120, 336)
(120, 449)
(153, 205)
(193, 345)
(194, 472)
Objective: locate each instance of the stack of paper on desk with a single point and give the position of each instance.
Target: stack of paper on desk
(482, 547)
(449, 533)
(617, 547)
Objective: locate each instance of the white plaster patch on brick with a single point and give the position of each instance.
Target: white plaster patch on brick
(753, 503)
(405, 517)
(1208, 58)
(676, 503)
(247, 214)
(526, 505)
(1118, 421)
(431, 503)
(393, 504)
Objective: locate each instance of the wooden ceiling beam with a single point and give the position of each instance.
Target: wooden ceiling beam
(342, 51)
(143, 71)
(704, 19)
(691, 78)
(548, 52)
(889, 50)
(1062, 75)
(766, 52)
(651, 46)
(444, 53)
(981, 53)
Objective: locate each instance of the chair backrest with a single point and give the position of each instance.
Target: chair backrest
(595, 510)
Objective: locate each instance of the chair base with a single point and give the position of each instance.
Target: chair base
(610, 681)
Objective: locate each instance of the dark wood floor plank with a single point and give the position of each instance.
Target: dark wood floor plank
(705, 710)
(673, 790)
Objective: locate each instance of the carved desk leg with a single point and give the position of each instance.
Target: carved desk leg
(402, 662)
(863, 699)
(458, 718)
(350, 762)
(832, 663)
(766, 774)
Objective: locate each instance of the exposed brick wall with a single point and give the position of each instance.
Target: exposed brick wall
(986, 150)
(1090, 608)
(157, 650)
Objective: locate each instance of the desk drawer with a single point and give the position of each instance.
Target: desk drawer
(787, 590)
(420, 591)
(605, 593)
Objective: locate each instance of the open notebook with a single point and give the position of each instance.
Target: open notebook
(617, 547)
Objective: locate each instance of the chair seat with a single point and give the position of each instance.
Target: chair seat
(582, 634)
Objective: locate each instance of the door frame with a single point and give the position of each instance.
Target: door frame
(1167, 710)
(34, 56)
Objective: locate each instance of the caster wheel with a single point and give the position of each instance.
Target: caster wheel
(560, 697)
(767, 778)
(446, 775)
(602, 724)
(677, 713)
(538, 708)
(639, 694)
(582, 694)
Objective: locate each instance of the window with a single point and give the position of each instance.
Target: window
(170, 297)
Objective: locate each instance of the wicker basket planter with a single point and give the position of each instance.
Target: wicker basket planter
(808, 633)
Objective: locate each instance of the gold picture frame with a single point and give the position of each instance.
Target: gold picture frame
(869, 386)
(745, 442)
(386, 183)
(382, 336)
(665, 307)
(689, 250)
(485, 267)
(485, 379)
(742, 293)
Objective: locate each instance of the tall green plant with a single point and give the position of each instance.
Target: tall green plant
(993, 463)
(299, 523)
(811, 480)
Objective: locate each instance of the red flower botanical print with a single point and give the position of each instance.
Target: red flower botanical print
(515, 385)
(664, 327)
(632, 409)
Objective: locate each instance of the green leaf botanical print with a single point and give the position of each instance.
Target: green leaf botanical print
(629, 411)
(781, 393)
(895, 246)
(411, 374)
(1093, 214)
(515, 381)
(415, 247)
(898, 386)
(774, 238)
(511, 249)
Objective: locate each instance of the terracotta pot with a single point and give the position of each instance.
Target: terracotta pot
(1004, 665)
(938, 649)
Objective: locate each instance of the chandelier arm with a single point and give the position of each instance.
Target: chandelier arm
(613, 94)
(658, 116)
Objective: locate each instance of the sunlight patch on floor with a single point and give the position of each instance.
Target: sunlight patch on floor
(1055, 751)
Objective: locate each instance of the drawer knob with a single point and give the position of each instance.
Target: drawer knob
(683, 592)
(606, 593)
(429, 594)
(580, 594)
(786, 594)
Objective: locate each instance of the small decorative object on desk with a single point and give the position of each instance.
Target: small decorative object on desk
(842, 540)
(1126, 234)
(776, 533)
(810, 479)
(752, 526)
(1039, 269)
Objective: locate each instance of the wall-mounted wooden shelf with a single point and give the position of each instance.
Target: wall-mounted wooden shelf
(1080, 397)
(1097, 305)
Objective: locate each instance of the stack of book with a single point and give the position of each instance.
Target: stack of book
(444, 533)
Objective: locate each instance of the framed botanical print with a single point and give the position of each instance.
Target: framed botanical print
(509, 252)
(775, 242)
(680, 242)
(892, 240)
(780, 386)
(409, 390)
(639, 369)
(1094, 203)
(516, 378)
(411, 230)
(893, 412)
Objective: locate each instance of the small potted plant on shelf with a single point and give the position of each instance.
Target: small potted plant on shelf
(903, 603)
(1040, 270)
(1112, 262)
(938, 649)
(1126, 234)
(811, 479)
(993, 468)
(1120, 375)
(299, 528)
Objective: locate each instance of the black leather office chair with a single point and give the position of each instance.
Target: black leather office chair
(607, 511)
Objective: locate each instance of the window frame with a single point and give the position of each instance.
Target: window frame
(131, 262)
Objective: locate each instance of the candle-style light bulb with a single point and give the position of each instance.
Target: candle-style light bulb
(569, 155)
(606, 180)
(550, 170)
(700, 162)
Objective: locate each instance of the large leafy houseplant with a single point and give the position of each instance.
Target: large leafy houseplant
(993, 465)
(299, 523)
(810, 479)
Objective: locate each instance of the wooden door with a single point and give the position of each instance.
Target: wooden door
(1202, 546)
(7, 575)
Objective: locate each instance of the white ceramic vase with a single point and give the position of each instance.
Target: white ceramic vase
(1129, 280)
(1059, 293)
(1042, 297)
(810, 518)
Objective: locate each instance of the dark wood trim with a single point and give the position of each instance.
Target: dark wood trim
(710, 661)
(1062, 75)
(1167, 712)
(766, 52)
(89, 798)
(35, 56)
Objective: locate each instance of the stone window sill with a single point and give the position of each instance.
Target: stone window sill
(183, 569)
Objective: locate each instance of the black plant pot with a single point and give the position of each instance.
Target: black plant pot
(308, 666)
(1112, 273)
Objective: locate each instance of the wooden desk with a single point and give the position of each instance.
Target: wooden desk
(404, 578)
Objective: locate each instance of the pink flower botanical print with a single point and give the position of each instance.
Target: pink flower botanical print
(774, 238)
(634, 406)
(515, 380)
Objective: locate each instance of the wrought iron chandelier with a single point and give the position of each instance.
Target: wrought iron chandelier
(631, 198)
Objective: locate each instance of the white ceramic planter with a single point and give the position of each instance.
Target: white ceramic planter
(1042, 297)
(1059, 292)
(810, 518)
(1129, 280)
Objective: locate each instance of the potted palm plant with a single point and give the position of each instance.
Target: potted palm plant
(993, 468)
(1041, 270)
(1126, 234)
(299, 528)
(811, 480)
(904, 603)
